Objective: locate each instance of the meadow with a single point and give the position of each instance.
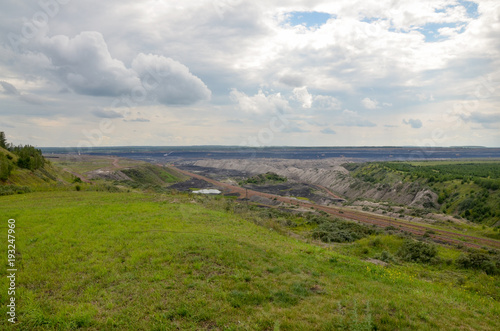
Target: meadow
(149, 261)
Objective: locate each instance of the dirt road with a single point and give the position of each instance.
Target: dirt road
(368, 218)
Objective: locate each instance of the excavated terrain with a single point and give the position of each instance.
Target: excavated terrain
(328, 173)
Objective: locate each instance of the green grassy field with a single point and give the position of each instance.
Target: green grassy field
(99, 260)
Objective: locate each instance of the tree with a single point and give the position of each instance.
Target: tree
(3, 140)
(5, 167)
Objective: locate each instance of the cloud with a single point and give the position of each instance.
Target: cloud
(326, 102)
(292, 80)
(260, 103)
(352, 118)
(328, 131)
(369, 103)
(32, 99)
(8, 88)
(302, 95)
(101, 113)
(139, 119)
(487, 120)
(376, 51)
(414, 123)
(294, 129)
(86, 66)
(170, 80)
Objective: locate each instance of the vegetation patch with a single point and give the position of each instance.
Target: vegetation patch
(417, 251)
(269, 177)
(341, 231)
(469, 189)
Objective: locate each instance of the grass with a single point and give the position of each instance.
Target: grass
(99, 260)
(85, 163)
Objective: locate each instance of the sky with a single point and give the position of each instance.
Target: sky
(250, 73)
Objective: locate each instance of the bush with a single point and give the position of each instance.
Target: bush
(342, 231)
(386, 257)
(417, 251)
(13, 189)
(478, 261)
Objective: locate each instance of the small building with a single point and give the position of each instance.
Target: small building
(207, 191)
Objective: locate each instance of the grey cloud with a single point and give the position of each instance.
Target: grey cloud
(9, 88)
(294, 129)
(140, 119)
(414, 123)
(64, 90)
(106, 113)
(481, 118)
(31, 98)
(292, 80)
(328, 131)
(170, 80)
(235, 121)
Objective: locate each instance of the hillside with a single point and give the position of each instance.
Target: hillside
(330, 173)
(19, 177)
(469, 189)
(464, 189)
(119, 172)
(90, 259)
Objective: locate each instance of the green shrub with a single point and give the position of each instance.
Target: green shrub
(13, 189)
(417, 251)
(341, 231)
(478, 261)
(264, 178)
(386, 257)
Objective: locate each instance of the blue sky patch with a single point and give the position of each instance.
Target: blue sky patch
(431, 33)
(308, 19)
(471, 8)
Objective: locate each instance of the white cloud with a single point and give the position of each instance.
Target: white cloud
(170, 80)
(86, 66)
(326, 102)
(302, 95)
(260, 103)
(369, 103)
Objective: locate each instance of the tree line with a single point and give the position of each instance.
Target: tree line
(27, 157)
